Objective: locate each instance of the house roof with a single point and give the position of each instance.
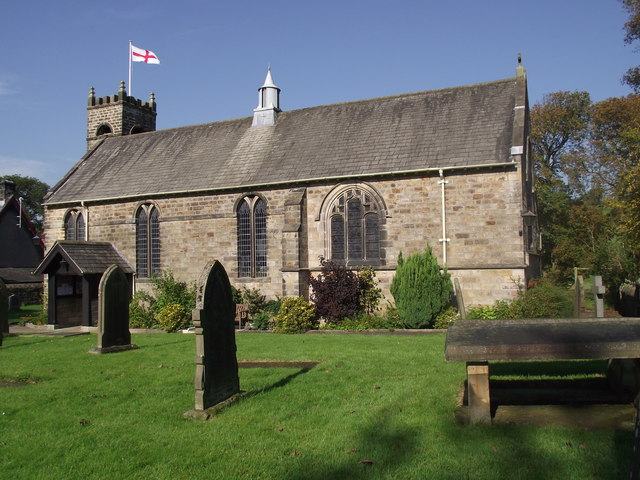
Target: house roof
(83, 257)
(11, 202)
(454, 127)
(19, 275)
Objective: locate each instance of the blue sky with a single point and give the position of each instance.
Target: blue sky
(214, 55)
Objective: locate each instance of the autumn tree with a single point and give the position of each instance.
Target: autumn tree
(559, 128)
(584, 155)
(632, 33)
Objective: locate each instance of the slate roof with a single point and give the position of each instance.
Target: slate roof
(454, 127)
(19, 275)
(84, 257)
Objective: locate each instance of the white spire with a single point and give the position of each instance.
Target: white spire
(266, 113)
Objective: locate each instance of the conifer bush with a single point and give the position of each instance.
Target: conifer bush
(421, 291)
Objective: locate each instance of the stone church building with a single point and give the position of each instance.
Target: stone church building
(269, 194)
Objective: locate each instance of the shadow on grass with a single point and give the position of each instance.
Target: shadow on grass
(280, 383)
(7, 345)
(378, 449)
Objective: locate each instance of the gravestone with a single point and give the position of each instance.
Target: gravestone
(114, 295)
(4, 309)
(598, 295)
(578, 298)
(216, 378)
(14, 303)
(459, 299)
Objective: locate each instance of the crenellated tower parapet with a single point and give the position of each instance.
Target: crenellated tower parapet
(117, 115)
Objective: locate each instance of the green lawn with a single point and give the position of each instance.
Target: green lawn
(26, 314)
(376, 407)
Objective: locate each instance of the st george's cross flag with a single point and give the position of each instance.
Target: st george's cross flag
(142, 55)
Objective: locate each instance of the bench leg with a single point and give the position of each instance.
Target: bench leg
(478, 391)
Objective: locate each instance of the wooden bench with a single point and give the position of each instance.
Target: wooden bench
(242, 314)
(478, 342)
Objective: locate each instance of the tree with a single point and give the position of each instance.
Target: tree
(559, 127)
(614, 141)
(632, 33)
(421, 291)
(586, 156)
(32, 192)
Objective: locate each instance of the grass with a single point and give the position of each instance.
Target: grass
(27, 313)
(376, 407)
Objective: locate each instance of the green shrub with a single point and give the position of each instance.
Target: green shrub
(446, 318)
(173, 317)
(421, 291)
(296, 315)
(369, 295)
(140, 311)
(500, 309)
(261, 320)
(272, 306)
(363, 322)
(236, 295)
(543, 300)
(254, 299)
(169, 291)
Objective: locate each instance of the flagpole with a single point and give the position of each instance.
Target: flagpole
(130, 91)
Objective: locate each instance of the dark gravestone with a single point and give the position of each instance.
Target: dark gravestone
(114, 295)
(4, 309)
(14, 303)
(216, 378)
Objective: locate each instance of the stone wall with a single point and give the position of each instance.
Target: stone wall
(28, 293)
(483, 220)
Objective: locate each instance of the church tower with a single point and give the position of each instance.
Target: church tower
(117, 115)
(266, 114)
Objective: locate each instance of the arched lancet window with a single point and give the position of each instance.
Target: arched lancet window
(74, 226)
(252, 237)
(147, 240)
(354, 223)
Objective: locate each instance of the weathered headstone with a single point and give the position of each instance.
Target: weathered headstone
(578, 298)
(216, 378)
(459, 299)
(4, 308)
(114, 295)
(14, 303)
(598, 295)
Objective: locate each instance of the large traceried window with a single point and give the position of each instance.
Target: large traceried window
(147, 240)
(252, 237)
(354, 223)
(74, 226)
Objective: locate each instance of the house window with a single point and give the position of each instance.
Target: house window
(74, 226)
(354, 222)
(147, 241)
(252, 237)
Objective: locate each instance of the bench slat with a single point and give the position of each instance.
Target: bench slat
(543, 339)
